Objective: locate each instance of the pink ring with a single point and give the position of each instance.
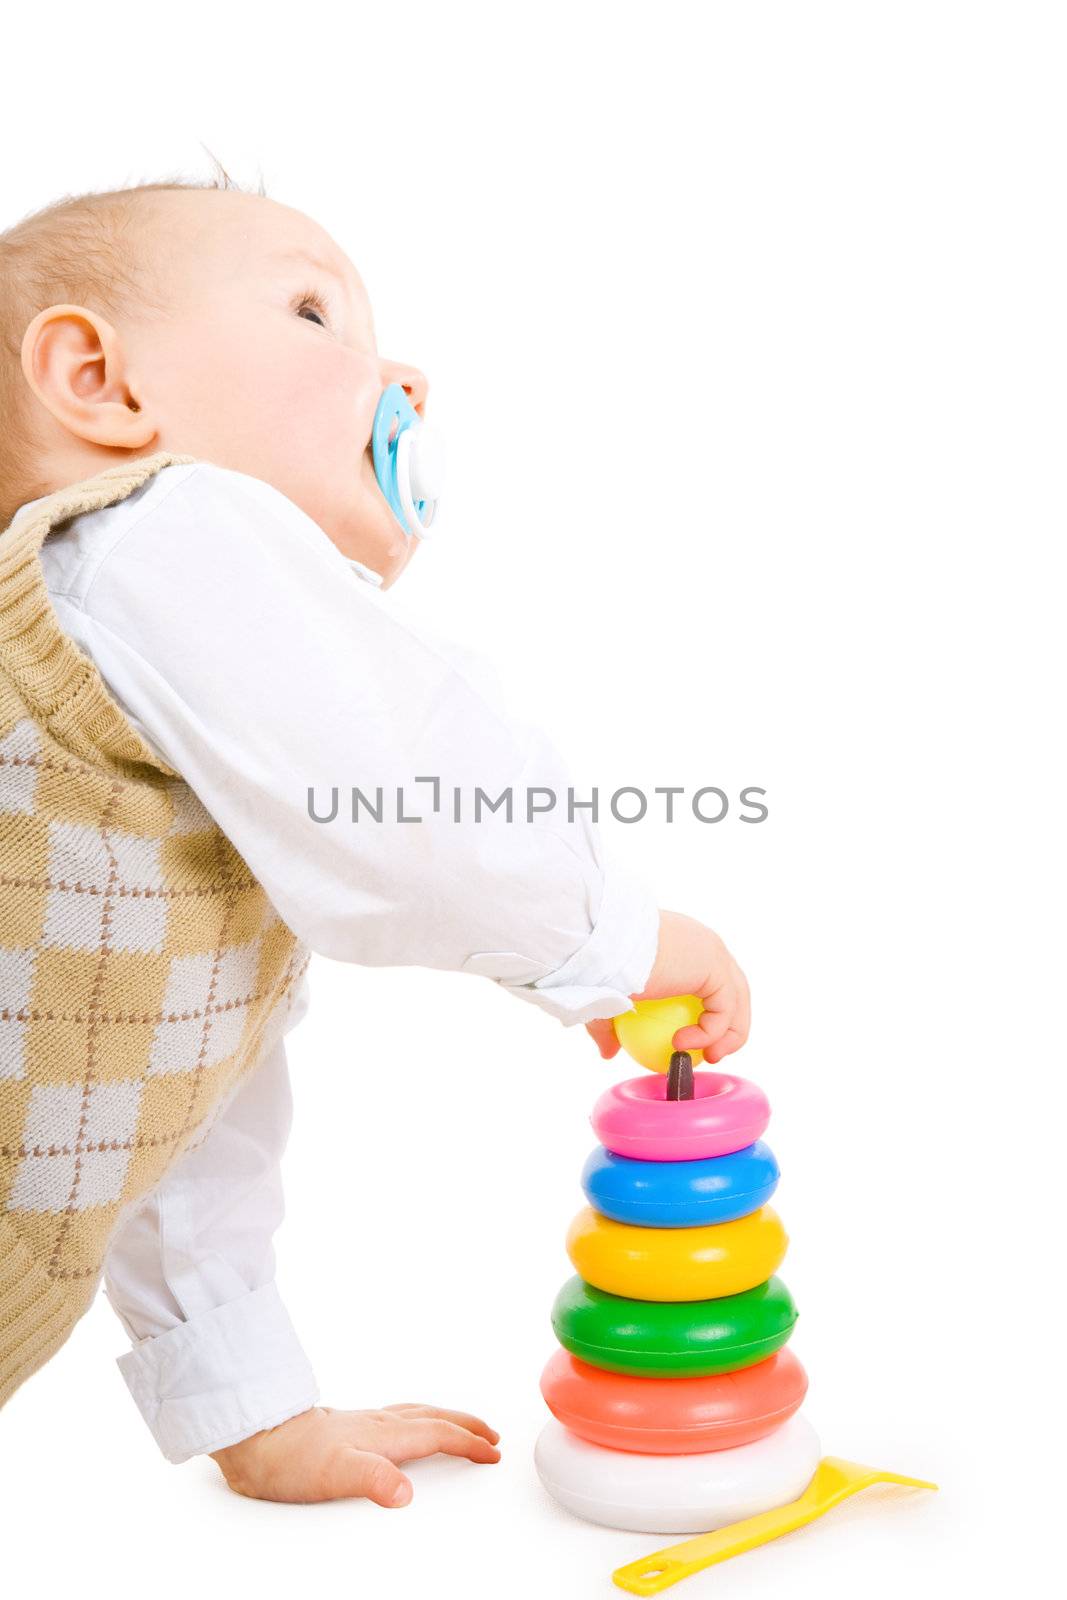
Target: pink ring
(636, 1119)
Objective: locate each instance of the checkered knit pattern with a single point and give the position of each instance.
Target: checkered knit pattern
(143, 970)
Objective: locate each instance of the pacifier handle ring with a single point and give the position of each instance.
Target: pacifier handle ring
(403, 487)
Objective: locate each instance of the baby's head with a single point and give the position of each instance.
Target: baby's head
(205, 321)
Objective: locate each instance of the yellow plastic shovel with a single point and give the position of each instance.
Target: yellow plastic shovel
(834, 1481)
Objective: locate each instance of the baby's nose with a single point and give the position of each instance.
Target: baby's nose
(413, 382)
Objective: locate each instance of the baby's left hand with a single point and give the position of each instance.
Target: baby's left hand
(324, 1454)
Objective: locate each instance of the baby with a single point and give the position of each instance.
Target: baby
(193, 637)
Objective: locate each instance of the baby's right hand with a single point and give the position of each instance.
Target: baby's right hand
(324, 1454)
(691, 959)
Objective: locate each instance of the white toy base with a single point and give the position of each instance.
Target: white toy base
(676, 1494)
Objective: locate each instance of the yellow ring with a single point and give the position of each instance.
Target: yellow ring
(646, 1032)
(676, 1263)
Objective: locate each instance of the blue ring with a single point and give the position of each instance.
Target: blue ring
(680, 1194)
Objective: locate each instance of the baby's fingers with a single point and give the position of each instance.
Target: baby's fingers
(710, 1031)
(352, 1474)
(731, 1040)
(464, 1418)
(603, 1034)
(414, 1437)
(706, 1033)
(737, 1033)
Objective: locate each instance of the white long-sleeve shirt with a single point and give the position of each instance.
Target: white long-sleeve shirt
(261, 664)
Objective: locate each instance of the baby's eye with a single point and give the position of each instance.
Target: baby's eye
(311, 308)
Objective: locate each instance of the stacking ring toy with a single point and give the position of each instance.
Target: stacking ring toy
(680, 1339)
(676, 1263)
(645, 1033)
(676, 1494)
(635, 1118)
(680, 1418)
(680, 1194)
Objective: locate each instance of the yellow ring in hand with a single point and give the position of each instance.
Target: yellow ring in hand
(646, 1032)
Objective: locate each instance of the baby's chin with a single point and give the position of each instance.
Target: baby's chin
(371, 533)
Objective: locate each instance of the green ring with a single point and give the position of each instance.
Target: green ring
(673, 1339)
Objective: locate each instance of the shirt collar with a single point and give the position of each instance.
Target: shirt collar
(368, 574)
(27, 506)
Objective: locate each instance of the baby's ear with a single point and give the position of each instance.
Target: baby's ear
(74, 361)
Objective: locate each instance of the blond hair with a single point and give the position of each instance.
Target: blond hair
(85, 249)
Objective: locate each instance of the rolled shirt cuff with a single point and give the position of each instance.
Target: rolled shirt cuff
(220, 1377)
(598, 979)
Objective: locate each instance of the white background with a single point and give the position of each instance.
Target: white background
(746, 327)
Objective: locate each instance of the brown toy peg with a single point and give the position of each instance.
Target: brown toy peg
(680, 1076)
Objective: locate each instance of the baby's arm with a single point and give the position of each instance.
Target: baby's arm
(190, 1274)
(216, 1367)
(240, 642)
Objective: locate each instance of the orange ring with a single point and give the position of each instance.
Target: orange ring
(673, 1416)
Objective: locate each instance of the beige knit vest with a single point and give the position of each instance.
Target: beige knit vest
(143, 970)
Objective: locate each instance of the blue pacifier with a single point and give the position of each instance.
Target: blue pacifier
(408, 461)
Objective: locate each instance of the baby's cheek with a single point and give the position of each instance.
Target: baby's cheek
(335, 399)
